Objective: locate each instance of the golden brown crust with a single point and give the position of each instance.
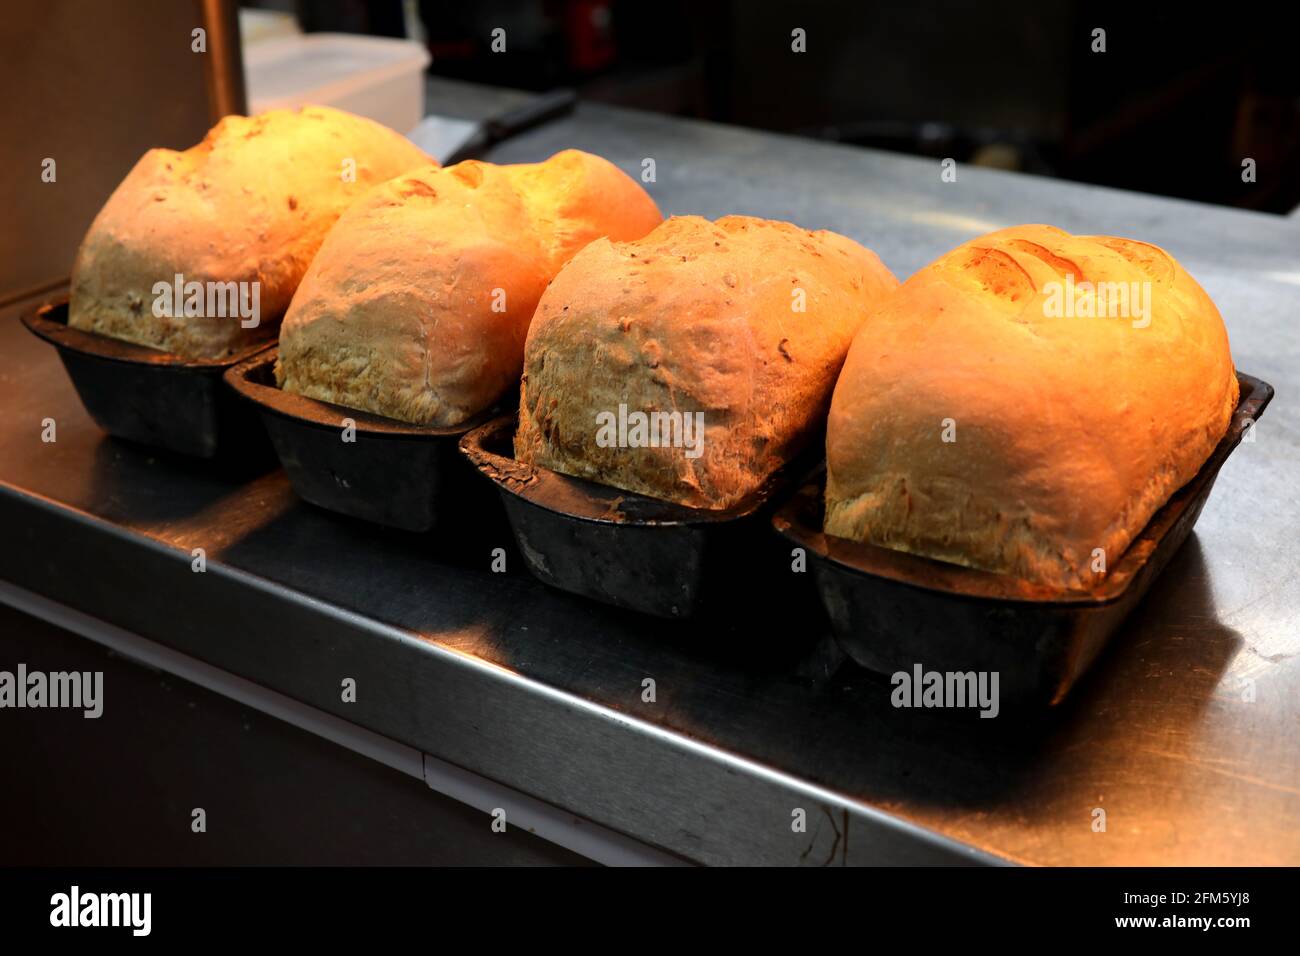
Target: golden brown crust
(418, 303)
(1070, 431)
(251, 203)
(697, 317)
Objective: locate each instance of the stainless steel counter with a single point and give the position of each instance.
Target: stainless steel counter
(1185, 733)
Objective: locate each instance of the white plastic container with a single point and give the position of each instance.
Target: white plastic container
(376, 77)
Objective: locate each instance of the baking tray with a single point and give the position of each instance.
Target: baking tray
(153, 397)
(395, 473)
(890, 610)
(638, 552)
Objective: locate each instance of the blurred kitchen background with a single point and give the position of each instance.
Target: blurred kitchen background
(1179, 98)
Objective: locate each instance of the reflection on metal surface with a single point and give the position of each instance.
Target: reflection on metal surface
(965, 226)
(1290, 278)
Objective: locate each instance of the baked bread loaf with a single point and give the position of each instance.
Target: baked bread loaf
(418, 303)
(251, 203)
(1025, 400)
(738, 326)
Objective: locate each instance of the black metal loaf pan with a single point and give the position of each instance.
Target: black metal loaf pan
(153, 397)
(394, 473)
(634, 551)
(891, 610)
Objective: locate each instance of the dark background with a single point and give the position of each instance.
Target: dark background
(1180, 97)
(120, 790)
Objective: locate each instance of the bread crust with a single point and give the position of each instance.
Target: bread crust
(1069, 431)
(697, 317)
(418, 303)
(250, 203)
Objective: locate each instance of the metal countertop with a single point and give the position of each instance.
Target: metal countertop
(542, 691)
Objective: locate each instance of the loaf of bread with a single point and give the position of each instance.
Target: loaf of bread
(418, 303)
(250, 204)
(1025, 403)
(693, 363)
